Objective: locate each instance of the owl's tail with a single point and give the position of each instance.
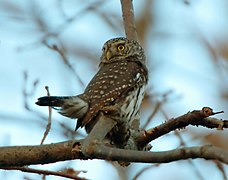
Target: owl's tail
(69, 106)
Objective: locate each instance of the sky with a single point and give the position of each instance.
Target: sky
(186, 53)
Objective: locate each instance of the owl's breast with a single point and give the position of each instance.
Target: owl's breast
(131, 104)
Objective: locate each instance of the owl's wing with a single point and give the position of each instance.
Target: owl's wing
(112, 82)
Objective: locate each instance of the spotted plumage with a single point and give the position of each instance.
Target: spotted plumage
(118, 86)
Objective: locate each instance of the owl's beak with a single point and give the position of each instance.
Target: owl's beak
(108, 55)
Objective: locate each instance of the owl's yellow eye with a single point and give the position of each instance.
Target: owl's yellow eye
(120, 47)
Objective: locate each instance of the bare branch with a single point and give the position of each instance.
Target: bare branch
(221, 169)
(128, 19)
(143, 170)
(61, 52)
(183, 144)
(196, 118)
(206, 152)
(69, 173)
(157, 107)
(44, 154)
(26, 94)
(48, 127)
(93, 6)
(40, 154)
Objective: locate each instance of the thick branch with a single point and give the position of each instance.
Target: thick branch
(40, 154)
(44, 154)
(206, 152)
(196, 118)
(128, 19)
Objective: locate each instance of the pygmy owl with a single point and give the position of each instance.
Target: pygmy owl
(119, 86)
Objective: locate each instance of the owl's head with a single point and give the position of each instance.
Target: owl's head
(122, 49)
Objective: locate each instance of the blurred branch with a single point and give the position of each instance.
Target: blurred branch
(93, 6)
(68, 132)
(48, 127)
(196, 118)
(65, 60)
(183, 144)
(221, 169)
(143, 170)
(25, 92)
(128, 19)
(68, 173)
(157, 108)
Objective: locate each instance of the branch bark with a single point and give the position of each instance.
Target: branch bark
(128, 19)
(67, 173)
(40, 154)
(44, 154)
(206, 152)
(196, 118)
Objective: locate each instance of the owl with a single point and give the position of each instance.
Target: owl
(117, 88)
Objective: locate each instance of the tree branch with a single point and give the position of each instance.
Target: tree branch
(39, 154)
(48, 127)
(67, 173)
(206, 152)
(196, 118)
(44, 154)
(128, 19)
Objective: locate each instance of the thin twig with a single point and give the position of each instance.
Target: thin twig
(157, 107)
(25, 92)
(154, 112)
(221, 169)
(71, 175)
(65, 60)
(143, 170)
(190, 161)
(93, 6)
(48, 127)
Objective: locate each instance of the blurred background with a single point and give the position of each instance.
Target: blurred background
(57, 43)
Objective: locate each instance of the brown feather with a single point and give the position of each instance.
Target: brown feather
(110, 83)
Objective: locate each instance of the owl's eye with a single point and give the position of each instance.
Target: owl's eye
(120, 47)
